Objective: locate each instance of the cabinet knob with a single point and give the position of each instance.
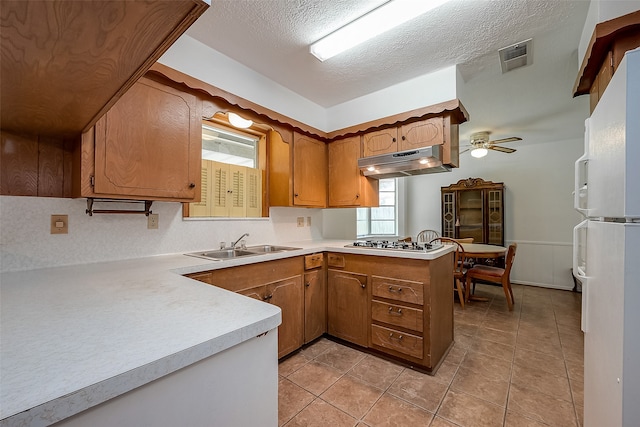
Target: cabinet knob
(404, 137)
(192, 185)
(295, 195)
(307, 284)
(362, 285)
(357, 196)
(394, 140)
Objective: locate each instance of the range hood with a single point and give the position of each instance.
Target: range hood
(419, 161)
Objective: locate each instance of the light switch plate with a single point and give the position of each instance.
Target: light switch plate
(300, 221)
(152, 221)
(59, 224)
(308, 221)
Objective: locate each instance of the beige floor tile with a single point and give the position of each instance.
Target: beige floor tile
(575, 370)
(466, 410)
(548, 346)
(340, 357)
(487, 366)
(441, 422)
(315, 377)
(456, 354)
(390, 411)
(464, 341)
(291, 400)
(464, 329)
(475, 384)
(541, 407)
(493, 349)
(292, 364)
(497, 335)
(545, 362)
(577, 390)
(513, 419)
(377, 372)
(420, 389)
(352, 396)
(446, 372)
(541, 381)
(317, 348)
(321, 414)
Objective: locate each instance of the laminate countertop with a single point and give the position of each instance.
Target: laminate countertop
(73, 337)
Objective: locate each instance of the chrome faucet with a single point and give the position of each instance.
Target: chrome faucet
(233, 245)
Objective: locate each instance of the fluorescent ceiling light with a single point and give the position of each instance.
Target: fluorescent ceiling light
(479, 152)
(238, 121)
(384, 18)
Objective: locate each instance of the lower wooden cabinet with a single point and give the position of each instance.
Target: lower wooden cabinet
(348, 306)
(408, 316)
(277, 282)
(315, 298)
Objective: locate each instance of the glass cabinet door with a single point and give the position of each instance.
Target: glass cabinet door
(494, 217)
(449, 214)
(470, 215)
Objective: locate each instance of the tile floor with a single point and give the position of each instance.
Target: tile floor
(520, 368)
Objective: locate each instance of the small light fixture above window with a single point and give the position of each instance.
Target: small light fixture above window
(238, 121)
(373, 23)
(479, 152)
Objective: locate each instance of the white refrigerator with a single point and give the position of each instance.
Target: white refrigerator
(607, 251)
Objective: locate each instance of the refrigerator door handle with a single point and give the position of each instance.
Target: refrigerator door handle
(580, 267)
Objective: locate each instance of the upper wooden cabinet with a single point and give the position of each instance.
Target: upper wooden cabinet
(297, 170)
(439, 130)
(66, 62)
(609, 42)
(347, 185)
(309, 171)
(147, 146)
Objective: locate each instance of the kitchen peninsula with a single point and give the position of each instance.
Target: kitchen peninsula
(135, 341)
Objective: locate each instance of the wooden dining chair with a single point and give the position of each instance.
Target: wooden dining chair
(494, 275)
(459, 270)
(427, 236)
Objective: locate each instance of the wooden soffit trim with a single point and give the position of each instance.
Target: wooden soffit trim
(604, 35)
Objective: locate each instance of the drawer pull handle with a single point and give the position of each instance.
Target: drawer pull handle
(267, 297)
(391, 289)
(398, 312)
(399, 337)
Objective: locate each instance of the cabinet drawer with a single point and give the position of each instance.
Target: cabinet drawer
(312, 261)
(401, 342)
(399, 315)
(335, 260)
(399, 290)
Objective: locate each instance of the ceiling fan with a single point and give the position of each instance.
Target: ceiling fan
(480, 144)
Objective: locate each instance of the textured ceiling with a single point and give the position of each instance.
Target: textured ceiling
(272, 37)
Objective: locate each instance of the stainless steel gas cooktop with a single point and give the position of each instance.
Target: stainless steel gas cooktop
(395, 245)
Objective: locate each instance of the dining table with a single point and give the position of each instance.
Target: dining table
(485, 251)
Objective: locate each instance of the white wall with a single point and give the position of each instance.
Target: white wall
(26, 242)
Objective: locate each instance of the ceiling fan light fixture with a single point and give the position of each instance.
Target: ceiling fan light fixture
(238, 121)
(479, 152)
(371, 24)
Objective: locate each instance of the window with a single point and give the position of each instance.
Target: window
(381, 221)
(230, 147)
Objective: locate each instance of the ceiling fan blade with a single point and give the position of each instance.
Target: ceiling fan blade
(503, 140)
(502, 149)
(464, 151)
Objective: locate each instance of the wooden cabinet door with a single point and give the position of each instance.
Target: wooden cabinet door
(148, 145)
(315, 304)
(424, 133)
(309, 171)
(344, 175)
(380, 142)
(288, 294)
(347, 306)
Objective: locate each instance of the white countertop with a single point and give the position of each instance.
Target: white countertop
(73, 337)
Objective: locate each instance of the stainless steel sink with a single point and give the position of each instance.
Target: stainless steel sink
(223, 254)
(269, 248)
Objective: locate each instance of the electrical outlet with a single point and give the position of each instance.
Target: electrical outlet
(308, 221)
(152, 221)
(59, 224)
(300, 221)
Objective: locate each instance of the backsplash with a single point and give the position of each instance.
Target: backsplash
(26, 242)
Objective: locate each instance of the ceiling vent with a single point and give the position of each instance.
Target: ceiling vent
(516, 56)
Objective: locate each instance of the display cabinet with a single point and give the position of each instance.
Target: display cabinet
(474, 208)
